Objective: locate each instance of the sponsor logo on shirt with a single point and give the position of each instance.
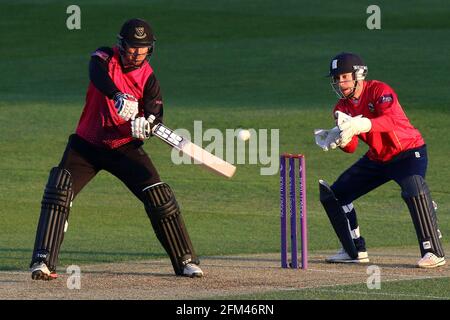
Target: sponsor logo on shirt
(102, 55)
(385, 98)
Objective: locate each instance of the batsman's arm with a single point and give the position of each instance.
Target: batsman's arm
(98, 72)
(152, 100)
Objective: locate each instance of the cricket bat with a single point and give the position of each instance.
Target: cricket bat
(199, 155)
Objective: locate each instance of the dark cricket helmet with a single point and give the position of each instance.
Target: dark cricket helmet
(347, 62)
(136, 33)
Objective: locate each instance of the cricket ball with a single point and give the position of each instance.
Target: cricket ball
(244, 135)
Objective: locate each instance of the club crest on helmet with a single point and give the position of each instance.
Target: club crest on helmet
(136, 33)
(140, 33)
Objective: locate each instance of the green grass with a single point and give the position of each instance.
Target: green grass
(424, 289)
(255, 64)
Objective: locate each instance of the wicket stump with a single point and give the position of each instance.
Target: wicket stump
(291, 159)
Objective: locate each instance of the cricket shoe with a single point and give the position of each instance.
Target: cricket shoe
(192, 270)
(343, 257)
(430, 260)
(40, 271)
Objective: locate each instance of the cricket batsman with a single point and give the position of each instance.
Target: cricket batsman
(123, 93)
(369, 110)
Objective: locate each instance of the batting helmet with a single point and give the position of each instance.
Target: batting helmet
(346, 62)
(136, 33)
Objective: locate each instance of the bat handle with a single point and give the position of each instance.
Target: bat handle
(151, 119)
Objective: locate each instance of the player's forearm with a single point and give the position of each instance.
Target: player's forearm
(383, 123)
(153, 104)
(155, 109)
(98, 74)
(351, 146)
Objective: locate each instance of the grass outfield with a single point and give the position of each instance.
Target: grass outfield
(242, 63)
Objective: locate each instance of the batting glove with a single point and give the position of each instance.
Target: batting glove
(140, 128)
(126, 105)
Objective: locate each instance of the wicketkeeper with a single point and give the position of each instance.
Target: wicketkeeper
(369, 110)
(123, 92)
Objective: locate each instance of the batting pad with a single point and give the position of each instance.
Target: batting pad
(165, 216)
(55, 208)
(417, 196)
(337, 218)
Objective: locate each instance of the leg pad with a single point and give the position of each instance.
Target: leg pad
(55, 207)
(417, 196)
(337, 218)
(165, 216)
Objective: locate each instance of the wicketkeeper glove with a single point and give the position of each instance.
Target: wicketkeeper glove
(327, 139)
(126, 105)
(352, 126)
